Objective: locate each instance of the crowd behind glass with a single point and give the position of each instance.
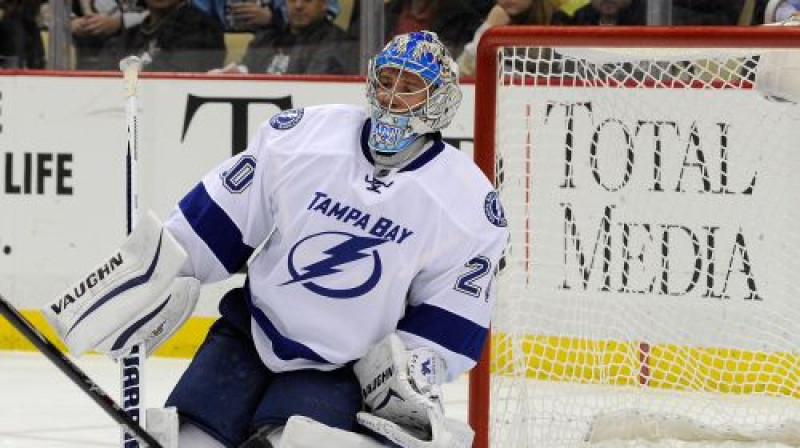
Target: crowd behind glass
(309, 36)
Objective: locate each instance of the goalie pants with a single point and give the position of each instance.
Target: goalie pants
(229, 393)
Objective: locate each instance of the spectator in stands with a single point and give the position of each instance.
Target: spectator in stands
(21, 43)
(331, 9)
(706, 12)
(569, 7)
(308, 43)
(178, 37)
(505, 12)
(606, 12)
(248, 15)
(634, 12)
(94, 22)
(753, 12)
(454, 21)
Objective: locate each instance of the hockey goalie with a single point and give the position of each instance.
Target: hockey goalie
(372, 285)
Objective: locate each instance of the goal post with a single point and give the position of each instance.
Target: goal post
(650, 177)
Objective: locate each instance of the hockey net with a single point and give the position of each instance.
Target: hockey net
(649, 294)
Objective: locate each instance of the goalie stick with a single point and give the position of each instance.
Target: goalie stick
(132, 365)
(78, 376)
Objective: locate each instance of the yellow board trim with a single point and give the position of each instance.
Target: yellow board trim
(554, 358)
(183, 344)
(707, 369)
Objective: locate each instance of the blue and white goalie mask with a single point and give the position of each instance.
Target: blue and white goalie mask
(412, 89)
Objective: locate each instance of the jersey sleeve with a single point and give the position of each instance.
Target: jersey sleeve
(227, 215)
(451, 299)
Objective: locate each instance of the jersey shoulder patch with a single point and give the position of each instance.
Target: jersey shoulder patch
(494, 210)
(286, 119)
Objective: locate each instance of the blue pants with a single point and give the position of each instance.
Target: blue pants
(229, 393)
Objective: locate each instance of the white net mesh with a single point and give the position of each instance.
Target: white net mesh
(651, 198)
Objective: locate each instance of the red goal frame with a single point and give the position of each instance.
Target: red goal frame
(590, 36)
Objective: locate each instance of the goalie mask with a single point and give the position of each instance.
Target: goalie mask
(412, 89)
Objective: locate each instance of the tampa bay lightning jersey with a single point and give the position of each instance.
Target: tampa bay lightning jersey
(344, 257)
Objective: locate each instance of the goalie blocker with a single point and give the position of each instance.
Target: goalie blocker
(134, 296)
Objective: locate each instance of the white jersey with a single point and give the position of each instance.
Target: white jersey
(349, 257)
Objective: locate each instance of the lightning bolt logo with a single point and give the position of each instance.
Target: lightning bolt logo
(353, 248)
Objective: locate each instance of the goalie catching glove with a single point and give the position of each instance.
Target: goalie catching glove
(133, 297)
(401, 391)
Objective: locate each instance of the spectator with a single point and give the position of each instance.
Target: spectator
(178, 37)
(96, 21)
(308, 43)
(454, 21)
(569, 7)
(505, 12)
(706, 12)
(331, 9)
(21, 43)
(753, 12)
(248, 15)
(605, 12)
(634, 12)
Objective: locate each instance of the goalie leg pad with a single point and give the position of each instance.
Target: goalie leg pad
(303, 432)
(119, 290)
(444, 432)
(163, 424)
(190, 436)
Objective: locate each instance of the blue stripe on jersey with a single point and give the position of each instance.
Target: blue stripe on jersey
(447, 329)
(215, 228)
(422, 159)
(365, 141)
(283, 347)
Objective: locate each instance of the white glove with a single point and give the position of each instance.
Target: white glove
(304, 432)
(402, 394)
